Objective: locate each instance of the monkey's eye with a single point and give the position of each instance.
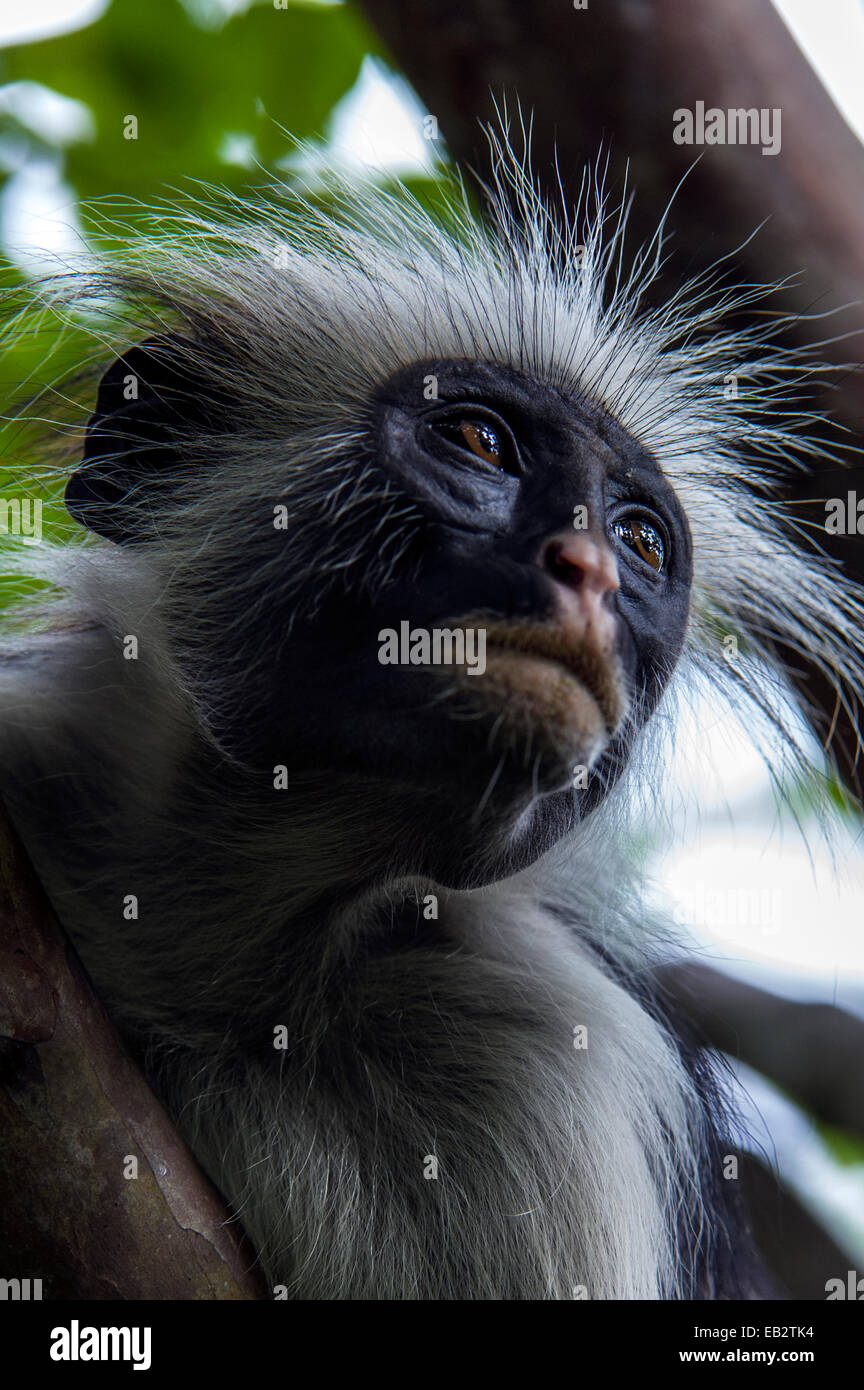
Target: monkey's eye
(482, 439)
(644, 538)
(486, 439)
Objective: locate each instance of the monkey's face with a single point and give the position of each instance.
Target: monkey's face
(501, 667)
(495, 669)
(553, 564)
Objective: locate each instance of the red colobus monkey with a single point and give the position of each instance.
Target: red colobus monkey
(396, 539)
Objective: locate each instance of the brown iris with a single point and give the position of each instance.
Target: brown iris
(643, 538)
(482, 439)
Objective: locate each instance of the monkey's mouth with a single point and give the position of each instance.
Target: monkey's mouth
(596, 673)
(553, 681)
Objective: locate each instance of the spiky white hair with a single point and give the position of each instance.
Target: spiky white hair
(306, 306)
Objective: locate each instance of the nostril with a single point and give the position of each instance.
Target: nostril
(562, 565)
(579, 561)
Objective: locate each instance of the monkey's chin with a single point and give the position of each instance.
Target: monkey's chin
(547, 714)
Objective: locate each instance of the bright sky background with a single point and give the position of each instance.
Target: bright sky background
(831, 33)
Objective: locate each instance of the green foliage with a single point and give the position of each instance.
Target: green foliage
(846, 1149)
(195, 88)
(264, 72)
(807, 797)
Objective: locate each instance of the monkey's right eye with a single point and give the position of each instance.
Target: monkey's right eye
(487, 440)
(643, 538)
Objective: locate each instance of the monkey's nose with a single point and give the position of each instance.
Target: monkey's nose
(586, 569)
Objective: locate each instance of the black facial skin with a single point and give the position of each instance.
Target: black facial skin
(327, 704)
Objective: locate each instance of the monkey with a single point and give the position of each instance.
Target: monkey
(367, 918)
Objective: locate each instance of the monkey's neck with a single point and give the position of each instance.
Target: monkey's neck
(251, 904)
(159, 854)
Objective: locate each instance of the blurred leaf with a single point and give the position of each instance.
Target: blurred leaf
(196, 86)
(847, 1149)
(189, 87)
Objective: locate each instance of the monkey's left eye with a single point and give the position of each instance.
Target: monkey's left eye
(485, 439)
(644, 538)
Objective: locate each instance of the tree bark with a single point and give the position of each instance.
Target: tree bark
(811, 1051)
(99, 1196)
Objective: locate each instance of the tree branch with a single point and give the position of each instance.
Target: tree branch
(74, 1112)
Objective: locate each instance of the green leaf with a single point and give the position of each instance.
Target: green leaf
(265, 72)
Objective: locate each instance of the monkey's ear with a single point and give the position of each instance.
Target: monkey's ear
(148, 400)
